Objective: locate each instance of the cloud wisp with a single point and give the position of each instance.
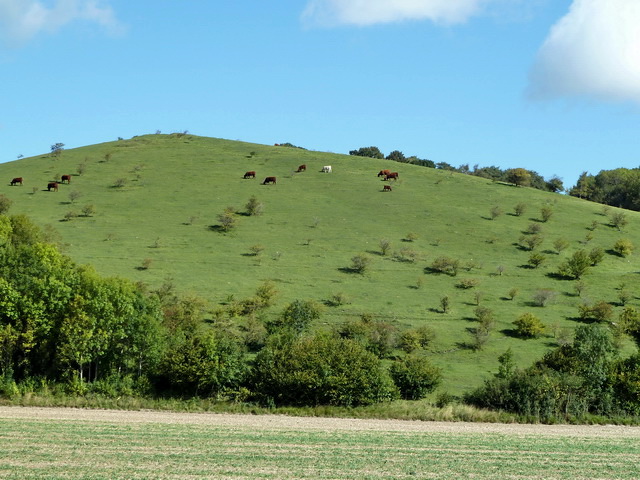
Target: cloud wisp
(593, 51)
(369, 12)
(22, 20)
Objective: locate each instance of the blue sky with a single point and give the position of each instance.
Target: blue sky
(548, 85)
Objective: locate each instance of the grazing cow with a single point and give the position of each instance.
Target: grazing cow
(386, 188)
(16, 180)
(52, 186)
(301, 168)
(66, 178)
(383, 173)
(326, 169)
(250, 174)
(269, 180)
(391, 175)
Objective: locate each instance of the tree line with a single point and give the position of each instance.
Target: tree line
(517, 176)
(62, 324)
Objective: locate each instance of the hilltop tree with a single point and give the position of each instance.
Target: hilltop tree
(396, 156)
(373, 152)
(56, 149)
(519, 177)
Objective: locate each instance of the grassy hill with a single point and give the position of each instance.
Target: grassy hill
(157, 197)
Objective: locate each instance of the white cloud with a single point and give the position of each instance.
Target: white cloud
(21, 20)
(593, 51)
(369, 12)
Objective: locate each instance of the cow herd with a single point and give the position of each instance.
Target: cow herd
(387, 174)
(51, 186)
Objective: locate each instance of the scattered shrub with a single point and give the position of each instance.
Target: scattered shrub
(529, 326)
(623, 247)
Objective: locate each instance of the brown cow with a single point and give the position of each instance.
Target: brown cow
(301, 168)
(269, 180)
(16, 180)
(384, 173)
(65, 177)
(52, 186)
(391, 175)
(250, 174)
(386, 188)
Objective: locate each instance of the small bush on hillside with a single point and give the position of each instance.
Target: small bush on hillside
(385, 246)
(596, 255)
(576, 266)
(600, 311)
(416, 338)
(543, 297)
(5, 204)
(119, 182)
(406, 254)
(536, 259)
(495, 212)
(466, 283)
(378, 337)
(529, 326)
(531, 242)
(411, 237)
(360, 263)
(227, 220)
(512, 293)
(88, 210)
(618, 220)
(519, 209)
(446, 265)
(415, 377)
(546, 213)
(445, 303)
(560, 244)
(623, 247)
(256, 249)
(254, 207)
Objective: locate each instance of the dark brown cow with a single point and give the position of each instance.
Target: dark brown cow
(301, 168)
(250, 174)
(16, 180)
(65, 177)
(269, 180)
(384, 173)
(391, 175)
(52, 186)
(386, 188)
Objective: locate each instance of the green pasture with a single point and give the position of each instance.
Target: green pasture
(157, 197)
(75, 449)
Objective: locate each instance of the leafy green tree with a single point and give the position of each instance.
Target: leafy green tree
(396, 156)
(319, 370)
(373, 152)
(203, 363)
(519, 177)
(415, 377)
(360, 263)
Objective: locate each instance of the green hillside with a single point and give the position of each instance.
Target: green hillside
(156, 199)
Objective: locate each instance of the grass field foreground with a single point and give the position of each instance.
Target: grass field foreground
(98, 444)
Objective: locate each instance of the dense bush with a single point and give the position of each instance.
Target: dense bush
(319, 370)
(415, 377)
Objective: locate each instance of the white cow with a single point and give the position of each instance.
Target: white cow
(326, 169)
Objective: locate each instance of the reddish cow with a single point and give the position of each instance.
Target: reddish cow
(250, 174)
(52, 186)
(66, 178)
(386, 188)
(391, 175)
(383, 173)
(16, 180)
(269, 180)
(302, 168)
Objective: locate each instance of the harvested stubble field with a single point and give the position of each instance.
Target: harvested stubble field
(48, 443)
